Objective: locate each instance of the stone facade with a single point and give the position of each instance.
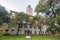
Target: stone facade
(22, 30)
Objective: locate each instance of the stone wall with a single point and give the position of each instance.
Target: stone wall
(22, 30)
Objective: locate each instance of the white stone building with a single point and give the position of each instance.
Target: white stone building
(23, 29)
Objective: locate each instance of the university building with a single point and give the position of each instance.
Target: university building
(23, 29)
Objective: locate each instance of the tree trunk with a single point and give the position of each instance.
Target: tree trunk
(40, 30)
(18, 29)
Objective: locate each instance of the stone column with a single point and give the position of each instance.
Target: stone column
(33, 31)
(23, 29)
(37, 30)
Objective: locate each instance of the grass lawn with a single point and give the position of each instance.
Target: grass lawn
(33, 37)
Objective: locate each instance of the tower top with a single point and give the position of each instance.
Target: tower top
(29, 5)
(29, 10)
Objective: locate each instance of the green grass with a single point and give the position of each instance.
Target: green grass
(33, 37)
(38, 37)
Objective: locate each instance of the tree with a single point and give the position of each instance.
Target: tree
(3, 14)
(42, 6)
(38, 21)
(45, 5)
(21, 18)
(1, 21)
(49, 7)
(18, 20)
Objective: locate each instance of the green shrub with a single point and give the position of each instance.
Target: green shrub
(2, 31)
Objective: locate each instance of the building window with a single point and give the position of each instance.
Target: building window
(30, 32)
(30, 27)
(12, 29)
(35, 32)
(25, 31)
(1, 30)
(39, 27)
(25, 26)
(19, 30)
(6, 30)
(34, 27)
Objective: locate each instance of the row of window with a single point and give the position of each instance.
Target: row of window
(7, 30)
(31, 27)
(14, 29)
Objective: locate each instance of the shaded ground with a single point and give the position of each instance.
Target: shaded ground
(33, 37)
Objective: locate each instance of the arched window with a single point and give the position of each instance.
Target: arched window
(7, 30)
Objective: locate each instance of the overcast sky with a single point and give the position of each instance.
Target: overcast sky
(18, 5)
